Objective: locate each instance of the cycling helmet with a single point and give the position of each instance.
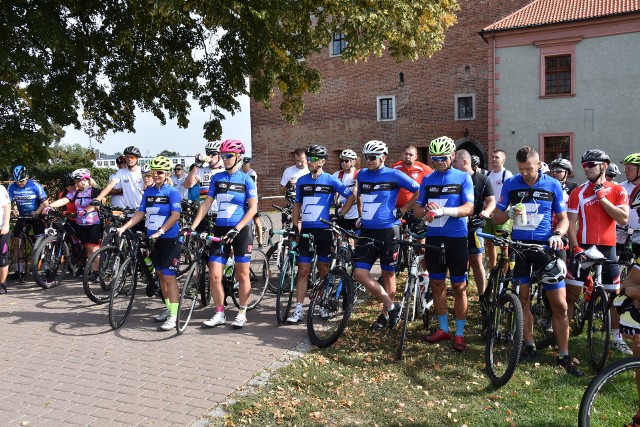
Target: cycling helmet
(132, 151)
(20, 173)
(160, 163)
(80, 174)
(563, 164)
(553, 272)
(145, 169)
(348, 154)
(212, 147)
(442, 146)
(544, 168)
(375, 147)
(232, 146)
(317, 151)
(633, 159)
(120, 160)
(613, 170)
(475, 160)
(246, 160)
(67, 179)
(595, 155)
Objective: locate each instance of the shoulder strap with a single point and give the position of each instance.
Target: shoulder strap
(504, 173)
(340, 174)
(355, 174)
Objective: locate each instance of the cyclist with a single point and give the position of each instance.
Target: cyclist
(377, 190)
(348, 174)
(541, 196)
(560, 170)
(161, 204)
(631, 185)
(412, 167)
(5, 212)
(612, 172)
(237, 200)
(475, 165)
(596, 206)
(203, 176)
(446, 199)
(69, 186)
(88, 224)
(30, 199)
(129, 179)
(116, 192)
(246, 168)
(292, 173)
(483, 206)
(314, 195)
(178, 179)
(498, 175)
(147, 176)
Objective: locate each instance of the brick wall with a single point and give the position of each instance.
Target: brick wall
(343, 114)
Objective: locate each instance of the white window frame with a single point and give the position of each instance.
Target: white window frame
(332, 52)
(379, 109)
(455, 106)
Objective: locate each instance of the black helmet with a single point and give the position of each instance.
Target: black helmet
(132, 151)
(67, 179)
(317, 151)
(121, 160)
(595, 155)
(475, 160)
(246, 160)
(563, 164)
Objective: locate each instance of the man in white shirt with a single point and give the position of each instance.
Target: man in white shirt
(202, 175)
(129, 179)
(632, 173)
(348, 175)
(497, 176)
(178, 181)
(116, 193)
(292, 173)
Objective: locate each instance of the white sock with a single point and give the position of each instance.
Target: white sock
(617, 336)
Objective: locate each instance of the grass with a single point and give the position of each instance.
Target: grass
(357, 382)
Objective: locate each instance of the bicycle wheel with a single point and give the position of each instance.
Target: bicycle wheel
(188, 296)
(427, 316)
(490, 293)
(330, 308)
(542, 325)
(267, 225)
(122, 293)
(598, 329)
(504, 339)
(185, 262)
(611, 399)
(579, 316)
(275, 261)
(259, 276)
(100, 270)
(407, 312)
(286, 289)
(50, 262)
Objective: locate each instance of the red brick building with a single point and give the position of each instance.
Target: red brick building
(409, 102)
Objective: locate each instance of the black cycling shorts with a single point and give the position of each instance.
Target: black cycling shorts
(456, 257)
(528, 262)
(38, 226)
(90, 235)
(322, 239)
(166, 255)
(366, 254)
(242, 246)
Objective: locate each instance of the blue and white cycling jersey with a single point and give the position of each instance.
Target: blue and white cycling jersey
(231, 193)
(27, 198)
(450, 189)
(316, 197)
(541, 201)
(158, 205)
(378, 191)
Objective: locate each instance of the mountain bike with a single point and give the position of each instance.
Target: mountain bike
(27, 242)
(280, 244)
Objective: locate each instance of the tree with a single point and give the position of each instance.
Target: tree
(168, 153)
(111, 58)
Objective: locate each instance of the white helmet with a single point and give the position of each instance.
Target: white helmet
(553, 272)
(79, 174)
(348, 154)
(375, 147)
(212, 147)
(544, 168)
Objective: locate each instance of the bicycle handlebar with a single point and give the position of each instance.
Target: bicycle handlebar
(501, 241)
(337, 229)
(291, 234)
(202, 236)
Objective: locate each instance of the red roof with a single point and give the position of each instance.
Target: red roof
(542, 12)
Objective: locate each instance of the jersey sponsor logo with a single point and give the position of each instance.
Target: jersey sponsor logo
(307, 188)
(126, 181)
(238, 188)
(452, 189)
(524, 196)
(161, 200)
(177, 205)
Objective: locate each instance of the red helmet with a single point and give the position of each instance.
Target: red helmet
(232, 146)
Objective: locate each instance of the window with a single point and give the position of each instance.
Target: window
(175, 161)
(99, 163)
(112, 162)
(338, 44)
(557, 73)
(465, 106)
(386, 108)
(553, 146)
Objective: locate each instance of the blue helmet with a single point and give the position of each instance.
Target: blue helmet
(20, 173)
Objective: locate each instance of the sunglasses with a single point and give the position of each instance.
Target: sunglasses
(372, 157)
(589, 165)
(558, 170)
(22, 181)
(345, 160)
(313, 159)
(227, 156)
(158, 172)
(178, 169)
(439, 158)
(210, 152)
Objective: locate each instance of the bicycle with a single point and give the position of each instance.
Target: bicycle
(279, 249)
(611, 399)
(414, 299)
(287, 278)
(27, 243)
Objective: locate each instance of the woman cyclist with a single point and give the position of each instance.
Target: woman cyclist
(235, 193)
(161, 203)
(147, 176)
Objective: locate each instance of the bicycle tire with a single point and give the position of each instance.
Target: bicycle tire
(330, 308)
(50, 262)
(612, 396)
(504, 340)
(123, 292)
(598, 329)
(493, 285)
(542, 321)
(286, 289)
(276, 264)
(259, 276)
(407, 312)
(188, 296)
(427, 316)
(579, 316)
(99, 275)
(185, 261)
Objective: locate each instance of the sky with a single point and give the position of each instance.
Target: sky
(152, 138)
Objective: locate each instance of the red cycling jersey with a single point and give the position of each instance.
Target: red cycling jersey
(418, 171)
(595, 226)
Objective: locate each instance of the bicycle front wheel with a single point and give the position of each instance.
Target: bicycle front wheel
(579, 316)
(50, 262)
(598, 329)
(330, 308)
(286, 289)
(407, 312)
(122, 293)
(504, 339)
(259, 275)
(100, 271)
(611, 399)
(542, 324)
(188, 297)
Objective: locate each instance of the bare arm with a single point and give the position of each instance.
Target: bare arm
(489, 207)
(191, 179)
(572, 219)
(106, 190)
(619, 214)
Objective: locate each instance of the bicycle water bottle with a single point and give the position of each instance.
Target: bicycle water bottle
(228, 268)
(149, 264)
(588, 283)
(423, 281)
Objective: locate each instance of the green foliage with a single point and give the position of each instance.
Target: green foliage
(111, 59)
(168, 153)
